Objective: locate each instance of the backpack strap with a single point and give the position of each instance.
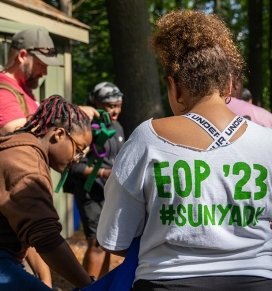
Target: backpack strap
(19, 96)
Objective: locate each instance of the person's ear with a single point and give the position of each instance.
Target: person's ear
(175, 91)
(22, 55)
(172, 89)
(57, 134)
(229, 87)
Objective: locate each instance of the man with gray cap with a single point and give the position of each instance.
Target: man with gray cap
(31, 51)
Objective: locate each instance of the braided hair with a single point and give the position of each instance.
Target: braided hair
(56, 111)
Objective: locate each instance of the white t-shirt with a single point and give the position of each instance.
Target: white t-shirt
(200, 213)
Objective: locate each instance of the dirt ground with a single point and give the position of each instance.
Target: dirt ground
(78, 245)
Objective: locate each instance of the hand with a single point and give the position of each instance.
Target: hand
(90, 111)
(12, 125)
(104, 173)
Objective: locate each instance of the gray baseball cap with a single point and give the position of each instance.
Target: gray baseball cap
(38, 42)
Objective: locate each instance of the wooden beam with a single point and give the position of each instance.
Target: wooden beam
(53, 26)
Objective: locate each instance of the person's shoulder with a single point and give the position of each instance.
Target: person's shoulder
(134, 150)
(262, 116)
(261, 110)
(140, 138)
(6, 80)
(251, 111)
(142, 130)
(256, 128)
(117, 125)
(235, 102)
(22, 140)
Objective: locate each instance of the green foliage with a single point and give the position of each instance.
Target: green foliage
(92, 63)
(234, 13)
(157, 8)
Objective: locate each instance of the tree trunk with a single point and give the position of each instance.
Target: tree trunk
(217, 6)
(255, 49)
(134, 63)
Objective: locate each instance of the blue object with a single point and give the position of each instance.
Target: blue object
(76, 216)
(14, 277)
(120, 278)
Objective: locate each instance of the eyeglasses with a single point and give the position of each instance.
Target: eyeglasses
(48, 52)
(79, 153)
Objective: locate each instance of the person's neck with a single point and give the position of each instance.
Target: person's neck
(17, 76)
(44, 141)
(13, 74)
(9, 74)
(213, 108)
(207, 101)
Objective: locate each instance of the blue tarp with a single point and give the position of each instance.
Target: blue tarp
(121, 277)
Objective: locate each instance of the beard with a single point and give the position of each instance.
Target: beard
(31, 81)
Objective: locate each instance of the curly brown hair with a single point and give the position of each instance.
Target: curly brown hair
(198, 51)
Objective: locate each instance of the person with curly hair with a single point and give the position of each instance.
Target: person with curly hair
(195, 187)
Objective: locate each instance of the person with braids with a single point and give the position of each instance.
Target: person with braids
(55, 136)
(195, 187)
(31, 52)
